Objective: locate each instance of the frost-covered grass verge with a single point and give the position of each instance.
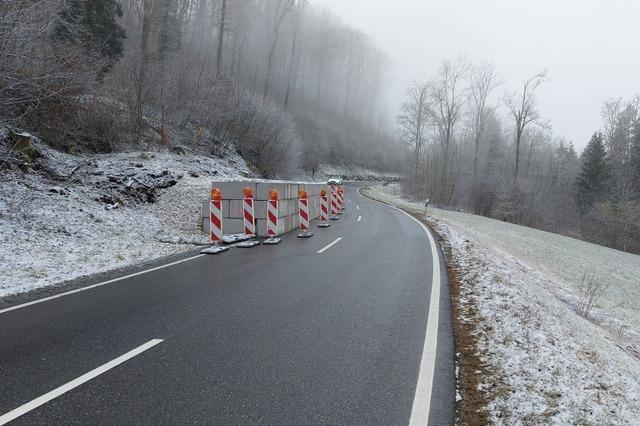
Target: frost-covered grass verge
(544, 363)
(52, 231)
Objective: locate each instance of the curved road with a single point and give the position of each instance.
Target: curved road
(273, 334)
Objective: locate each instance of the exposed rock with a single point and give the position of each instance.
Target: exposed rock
(180, 150)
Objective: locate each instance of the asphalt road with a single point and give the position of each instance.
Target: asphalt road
(271, 335)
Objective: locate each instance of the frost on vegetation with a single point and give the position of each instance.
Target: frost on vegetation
(547, 364)
(54, 229)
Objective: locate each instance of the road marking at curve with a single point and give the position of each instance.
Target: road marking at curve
(328, 246)
(32, 405)
(359, 219)
(89, 287)
(424, 386)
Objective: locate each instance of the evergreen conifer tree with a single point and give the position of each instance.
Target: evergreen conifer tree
(593, 179)
(93, 24)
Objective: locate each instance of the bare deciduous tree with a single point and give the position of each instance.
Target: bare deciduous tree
(523, 109)
(482, 81)
(447, 100)
(413, 120)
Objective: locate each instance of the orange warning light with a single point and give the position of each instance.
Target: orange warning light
(303, 194)
(273, 195)
(248, 192)
(216, 194)
(323, 192)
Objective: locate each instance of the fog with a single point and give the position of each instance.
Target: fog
(587, 46)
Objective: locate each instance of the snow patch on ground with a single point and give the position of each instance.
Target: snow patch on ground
(548, 365)
(52, 231)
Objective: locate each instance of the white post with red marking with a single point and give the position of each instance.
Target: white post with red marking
(249, 218)
(334, 203)
(303, 208)
(324, 210)
(215, 224)
(272, 219)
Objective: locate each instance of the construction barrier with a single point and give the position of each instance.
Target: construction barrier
(334, 203)
(340, 195)
(272, 219)
(324, 210)
(248, 212)
(215, 221)
(303, 203)
(288, 209)
(215, 216)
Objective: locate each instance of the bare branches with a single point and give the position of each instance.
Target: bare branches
(482, 81)
(590, 291)
(413, 121)
(523, 109)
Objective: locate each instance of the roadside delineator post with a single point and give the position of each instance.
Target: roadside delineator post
(303, 207)
(249, 219)
(334, 203)
(272, 219)
(215, 224)
(324, 210)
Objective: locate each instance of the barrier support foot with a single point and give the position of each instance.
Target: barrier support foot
(214, 250)
(248, 244)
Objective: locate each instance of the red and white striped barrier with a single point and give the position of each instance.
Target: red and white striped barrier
(303, 207)
(248, 213)
(272, 219)
(334, 203)
(215, 221)
(340, 194)
(324, 210)
(249, 218)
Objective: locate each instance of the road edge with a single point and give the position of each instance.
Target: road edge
(424, 396)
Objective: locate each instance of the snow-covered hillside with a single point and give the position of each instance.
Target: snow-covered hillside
(545, 364)
(54, 227)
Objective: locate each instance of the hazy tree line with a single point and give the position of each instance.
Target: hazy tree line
(473, 146)
(289, 83)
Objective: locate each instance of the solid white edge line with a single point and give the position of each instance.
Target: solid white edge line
(424, 386)
(89, 287)
(359, 219)
(328, 246)
(29, 406)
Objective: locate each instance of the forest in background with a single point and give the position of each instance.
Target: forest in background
(291, 87)
(288, 83)
(463, 153)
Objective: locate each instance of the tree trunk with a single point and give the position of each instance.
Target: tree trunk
(515, 174)
(221, 39)
(291, 64)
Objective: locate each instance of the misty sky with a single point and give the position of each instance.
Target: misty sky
(589, 47)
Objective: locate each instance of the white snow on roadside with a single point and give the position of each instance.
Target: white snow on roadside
(548, 365)
(47, 238)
